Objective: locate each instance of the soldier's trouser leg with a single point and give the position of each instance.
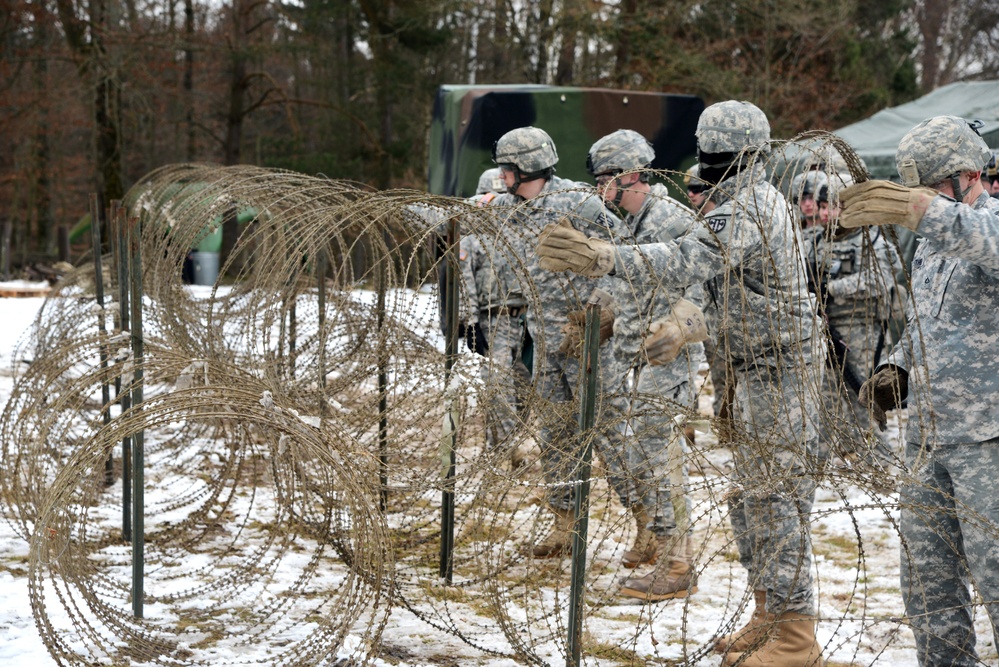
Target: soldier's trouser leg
(659, 451)
(776, 419)
(614, 442)
(950, 539)
(744, 538)
(504, 335)
(558, 431)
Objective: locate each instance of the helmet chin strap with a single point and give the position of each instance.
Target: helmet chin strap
(620, 192)
(955, 184)
(516, 182)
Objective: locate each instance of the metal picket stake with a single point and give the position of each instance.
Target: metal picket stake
(590, 368)
(95, 236)
(123, 393)
(448, 437)
(138, 454)
(321, 277)
(382, 278)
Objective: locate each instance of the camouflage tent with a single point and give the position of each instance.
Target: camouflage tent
(467, 120)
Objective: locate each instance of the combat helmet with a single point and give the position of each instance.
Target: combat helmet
(692, 182)
(941, 148)
(728, 133)
(491, 180)
(529, 149)
(620, 151)
(733, 126)
(830, 189)
(623, 150)
(807, 184)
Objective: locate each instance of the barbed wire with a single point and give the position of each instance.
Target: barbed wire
(293, 450)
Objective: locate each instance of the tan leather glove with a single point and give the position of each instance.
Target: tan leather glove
(562, 247)
(574, 331)
(884, 203)
(684, 325)
(884, 391)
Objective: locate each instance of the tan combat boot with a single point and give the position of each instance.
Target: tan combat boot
(673, 577)
(790, 642)
(559, 540)
(646, 547)
(749, 634)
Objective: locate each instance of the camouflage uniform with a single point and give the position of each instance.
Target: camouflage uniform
(495, 301)
(746, 251)
(557, 376)
(950, 519)
(661, 219)
(855, 276)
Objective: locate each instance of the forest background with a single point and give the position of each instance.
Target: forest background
(96, 93)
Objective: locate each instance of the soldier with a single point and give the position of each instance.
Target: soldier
(495, 312)
(852, 274)
(534, 198)
(746, 251)
(992, 172)
(655, 453)
(804, 187)
(948, 366)
(697, 190)
(490, 183)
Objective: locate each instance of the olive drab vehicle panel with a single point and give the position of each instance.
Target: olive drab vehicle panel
(467, 121)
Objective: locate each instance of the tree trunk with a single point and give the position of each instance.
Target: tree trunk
(189, 77)
(625, 23)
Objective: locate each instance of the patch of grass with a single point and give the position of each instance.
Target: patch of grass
(840, 549)
(446, 593)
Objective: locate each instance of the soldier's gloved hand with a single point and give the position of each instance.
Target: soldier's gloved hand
(884, 391)
(607, 314)
(574, 331)
(562, 247)
(684, 325)
(572, 335)
(884, 203)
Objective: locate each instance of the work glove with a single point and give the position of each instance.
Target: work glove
(562, 247)
(684, 325)
(574, 331)
(884, 203)
(884, 391)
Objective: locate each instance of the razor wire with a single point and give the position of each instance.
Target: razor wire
(266, 426)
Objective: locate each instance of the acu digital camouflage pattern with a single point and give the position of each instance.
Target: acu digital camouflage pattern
(623, 150)
(491, 180)
(937, 148)
(857, 274)
(557, 377)
(468, 120)
(950, 520)
(732, 126)
(747, 252)
(530, 149)
(495, 301)
(952, 332)
(660, 219)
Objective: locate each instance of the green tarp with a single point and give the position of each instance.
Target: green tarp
(876, 138)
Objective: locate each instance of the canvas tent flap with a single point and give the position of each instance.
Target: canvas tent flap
(876, 138)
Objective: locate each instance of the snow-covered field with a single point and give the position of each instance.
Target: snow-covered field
(856, 560)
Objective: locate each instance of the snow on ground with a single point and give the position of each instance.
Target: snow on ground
(857, 591)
